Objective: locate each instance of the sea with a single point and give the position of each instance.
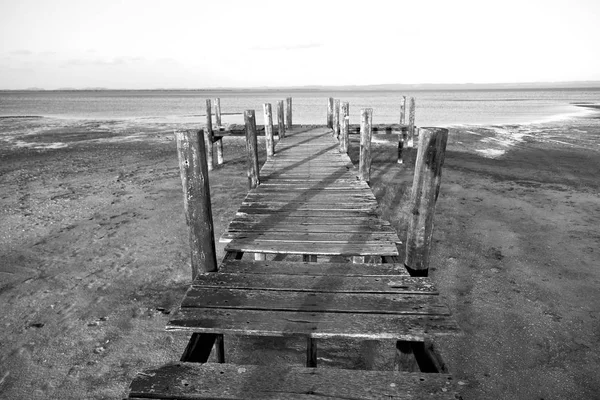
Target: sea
(433, 108)
(512, 114)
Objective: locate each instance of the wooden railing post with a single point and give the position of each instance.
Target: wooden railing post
(336, 118)
(288, 123)
(218, 112)
(191, 153)
(424, 194)
(280, 119)
(330, 112)
(345, 137)
(252, 149)
(403, 111)
(269, 129)
(208, 136)
(364, 165)
(402, 144)
(411, 123)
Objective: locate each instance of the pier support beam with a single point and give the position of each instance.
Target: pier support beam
(196, 200)
(336, 118)
(269, 129)
(364, 165)
(345, 128)
(252, 149)
(288, 121)
(411, 123)
(330, 112)
(218, 112)
(280, 120)
(403, 111)
(424, 194)
(208, 136)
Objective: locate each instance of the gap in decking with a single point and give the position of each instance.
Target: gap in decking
(332, 353)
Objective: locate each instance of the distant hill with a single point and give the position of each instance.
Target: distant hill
(378, 87)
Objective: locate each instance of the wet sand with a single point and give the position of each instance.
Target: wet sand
(94, 255)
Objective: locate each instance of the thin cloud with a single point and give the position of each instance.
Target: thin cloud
(104, 62)
(288, 47)
(21, 53)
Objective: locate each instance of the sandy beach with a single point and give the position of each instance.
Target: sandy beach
(94, 255)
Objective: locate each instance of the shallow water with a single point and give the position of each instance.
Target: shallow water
(434, 108)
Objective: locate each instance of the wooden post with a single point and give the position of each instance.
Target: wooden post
(280, 119)
(288, 123)
(424, 194)
(196, 200)
(220, 159)
(336, 119)
(269, 129)
(218, 112)
(252, 149)
(208, 136)
(364, 166)
(411, 123)
(402, 144)
(344, 138)
(403, 111)
(330, 112)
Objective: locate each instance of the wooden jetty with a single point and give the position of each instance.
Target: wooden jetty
(308, 256)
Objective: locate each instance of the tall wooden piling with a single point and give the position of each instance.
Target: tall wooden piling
(403, 110)
(424, 194)
(345, 128)
(280, 120)
(208, 136)
(402, 144)
(330, 112)
(220, 159)
(411, 123)
(218, 112)
(269, 129)
(252, 149)
(364, 165)
(336, 118)
(196, 200)
(288, 121)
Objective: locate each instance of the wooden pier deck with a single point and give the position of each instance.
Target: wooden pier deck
(309, 203)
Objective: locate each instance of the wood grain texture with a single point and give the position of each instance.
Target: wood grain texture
(424, 194)
(251, 149)
(227, 381)
(317, 283)
(196, 199)
(408, 327)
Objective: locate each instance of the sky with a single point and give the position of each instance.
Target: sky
(145, 44)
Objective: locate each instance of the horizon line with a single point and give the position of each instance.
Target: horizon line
(378, 86)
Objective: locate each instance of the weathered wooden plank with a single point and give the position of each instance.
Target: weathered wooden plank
(286, 206)
(306, 268)
(317, 248)
(228, 381)
(322, 237)
(317, 283)
(314, 197)
(308, 213)
(314, 301)
(311, 324)
(289, 226)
